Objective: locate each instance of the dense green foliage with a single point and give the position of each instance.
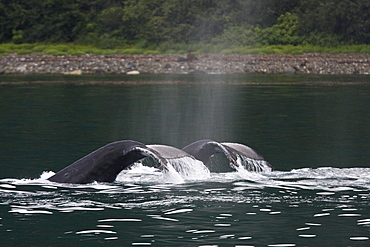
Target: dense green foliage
(163, 24)
(73, 49)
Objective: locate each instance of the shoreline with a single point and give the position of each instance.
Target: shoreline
(310, 63)
(101, 83)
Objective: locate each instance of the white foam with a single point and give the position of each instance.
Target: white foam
(252, 164)
(190, 168)
(178, 169)
(46, 175)
(179, 211)
(172, 176)
(326, 181)
(25, 211)
(95, 232)
(120, 220)
(249, 175)
(164, 218)
(359, 238)
(139, 173)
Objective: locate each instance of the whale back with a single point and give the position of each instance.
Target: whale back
(244, 150)
(105, 163)
(238, 155)
(102, 165)
(183, 163)
(168, 152)
(203, 150)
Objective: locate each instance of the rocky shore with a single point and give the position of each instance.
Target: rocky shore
(313, 63)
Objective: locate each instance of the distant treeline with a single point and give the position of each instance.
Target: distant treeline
(114, 23)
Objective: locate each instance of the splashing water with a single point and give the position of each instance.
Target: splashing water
(252, 164)
(178, 170)
(213, 206)
(46, 175)
(190, 168)
(172, 176)
(141, 174)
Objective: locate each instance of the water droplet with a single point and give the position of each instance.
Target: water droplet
(265, 209)
(111, 238)
(227, 236)
(363, 220)
(349, 215)
(303, 228)
(349, 209)
(184, 210)
(327, 209)
(275, 212)
(8, 186)
(96, 232)
(359, 238)
(223, 225)
(363, 223)
(312, 224)
(244, 238)
(25, 211)
(281, 245)
(321, 215)
(120, 220)
(104, 226)
(307, 235)
(204, 231)
(325, 193)
(164, 218)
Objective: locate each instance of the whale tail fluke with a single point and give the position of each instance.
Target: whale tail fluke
(102, 165)
(105, 163)
(238, 155)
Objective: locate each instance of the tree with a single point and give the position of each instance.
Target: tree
(47, 20)
(348, 20)
(242, 22)
(284, 32)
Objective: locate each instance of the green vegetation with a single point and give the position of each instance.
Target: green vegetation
(179, 26)
(72, 49)
(68, 49)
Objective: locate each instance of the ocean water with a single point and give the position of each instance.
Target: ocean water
(316, 136)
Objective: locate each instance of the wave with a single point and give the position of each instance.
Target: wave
(145, 187)
(323, 178)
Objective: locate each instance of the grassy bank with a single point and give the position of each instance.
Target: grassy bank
(68, 49)
(74, 49)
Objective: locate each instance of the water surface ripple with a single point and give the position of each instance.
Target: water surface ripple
(314, 130)
(297, 207)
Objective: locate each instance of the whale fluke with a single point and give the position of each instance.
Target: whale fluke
(105, 163)
(183, 163)
(237, 154)
(168, 152)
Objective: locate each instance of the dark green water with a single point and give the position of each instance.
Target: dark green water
(315, 135)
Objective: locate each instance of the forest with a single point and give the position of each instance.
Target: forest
(150, 23)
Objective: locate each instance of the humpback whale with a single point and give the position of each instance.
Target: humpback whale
(238, 155)
(105, 163)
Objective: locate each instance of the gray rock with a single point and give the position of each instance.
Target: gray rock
(290, 70)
